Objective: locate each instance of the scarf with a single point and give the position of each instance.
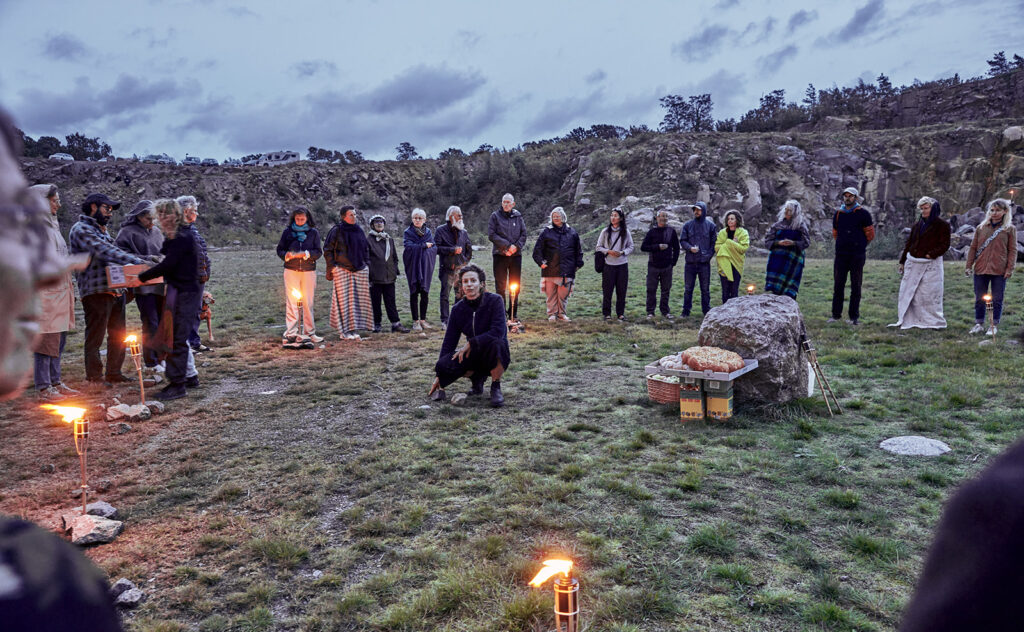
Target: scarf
(356, 244)
(299, 232)
(420, 230)
(385, 237)
(844, 209)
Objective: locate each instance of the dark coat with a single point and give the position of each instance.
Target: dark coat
(561, 250)
(383, 260)
(290, 243)
(180, 267)
(701, 233)
(659, 258)
(202, 254)
(506, 229)
(448, 239)
(418, 259)
(930, 243)
(853, 230)
(336, 248)
(482, 325)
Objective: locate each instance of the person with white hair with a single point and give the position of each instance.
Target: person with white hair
(419, 258)
(920, 266)
(786, 241)
(853, 229)
(507, 232)
(454, 250)
(992, 256)
(190, 208)
(56, 310)
(559, 254)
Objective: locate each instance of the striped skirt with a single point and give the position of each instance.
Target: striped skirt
(350, 303)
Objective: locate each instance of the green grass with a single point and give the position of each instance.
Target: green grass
(336, 502)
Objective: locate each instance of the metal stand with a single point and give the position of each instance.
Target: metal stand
(82, 446)
(567, 604)
(135, 351)
(826, 388)
(990, 313)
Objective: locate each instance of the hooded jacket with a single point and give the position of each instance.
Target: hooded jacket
(57, 301)
(506, 229)
(699, 232)
(134, 238)
(559, 247)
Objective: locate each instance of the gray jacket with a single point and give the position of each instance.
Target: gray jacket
(506, 229)
(145, 243)
(606, 243)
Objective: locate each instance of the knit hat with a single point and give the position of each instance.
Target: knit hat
(378, 218)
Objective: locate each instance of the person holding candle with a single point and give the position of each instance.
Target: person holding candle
(348, 255)
(920, 266)
(992, 256)
(419, 258)
(383, 274)
(786, 240)
(697, 240)
(506, 230)
(559, 254)
(140, 235)
(730, 251)
(299, 248)
(662, 245)
(180, 271)
(454, 250)
(616, 244)
(56, 309)
(480, 317)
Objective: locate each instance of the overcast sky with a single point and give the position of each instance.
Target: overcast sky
(218, 79)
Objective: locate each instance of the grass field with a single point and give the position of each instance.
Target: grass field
(317, 490)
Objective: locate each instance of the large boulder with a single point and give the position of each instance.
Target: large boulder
(766, 327)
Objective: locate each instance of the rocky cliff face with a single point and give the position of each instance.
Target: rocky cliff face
(963, 166)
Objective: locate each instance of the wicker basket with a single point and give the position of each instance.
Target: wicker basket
(662, 392)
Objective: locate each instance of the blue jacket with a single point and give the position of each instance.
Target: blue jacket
(418, 260)
(701, 233)
(483, 324)
(561, 250)
(448, 239)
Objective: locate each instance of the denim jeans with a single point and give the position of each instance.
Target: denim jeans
(982, 282)
(47, 368)
(691, 272)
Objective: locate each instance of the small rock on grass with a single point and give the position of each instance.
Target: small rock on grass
(47, 468)
(458, 398)
(155, 407)
(126, 594)
(100, 508)
(120, 428)
(914, 446)
(86, 530)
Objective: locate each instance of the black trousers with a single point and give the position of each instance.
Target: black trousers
(384, 292)
(479, 363)
(508, 270)
(843, 266)
(614, 279)
(184, 307)
(656, 277)
(151, 306)
(104, 316)
(418, 305)
(730, 289)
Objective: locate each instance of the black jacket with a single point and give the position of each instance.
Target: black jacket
(659, 258)
(447, 239)
(336, 252)
(289, 243)
(180, 267)
(483, 324)
(560, 248)
(383, 260)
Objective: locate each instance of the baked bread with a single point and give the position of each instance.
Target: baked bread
(712, 359)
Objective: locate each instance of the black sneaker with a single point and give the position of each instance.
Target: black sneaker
(376, 329)
(192, 382)
(497, 399)
(400, 328)
(172, 391)
(478, 386)
(117, 379)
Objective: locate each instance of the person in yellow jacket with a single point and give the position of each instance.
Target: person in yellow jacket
(730, 250)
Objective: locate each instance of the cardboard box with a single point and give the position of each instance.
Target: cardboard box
(118, 276)
(691, 405)
(720, 405)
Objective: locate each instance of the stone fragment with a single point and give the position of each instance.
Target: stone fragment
(121, 428)
(129, 599)
(769, 329)
(458, 398)
(103, 509)
(88, 529)
(47, 468)
(137, 412)
(102, 485)
(913, 445)
(120, 586)
(155, 407)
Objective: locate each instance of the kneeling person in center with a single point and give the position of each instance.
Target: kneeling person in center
(480, 315)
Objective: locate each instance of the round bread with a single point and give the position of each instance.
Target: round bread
(713, 359)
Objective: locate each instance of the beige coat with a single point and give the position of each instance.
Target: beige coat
(57, 302)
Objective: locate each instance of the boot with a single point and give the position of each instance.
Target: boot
(478, 385)
(497, 399)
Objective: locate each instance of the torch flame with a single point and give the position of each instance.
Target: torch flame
(551, 568)
(130, 339)
(69, 413)
(750, 288)
(987, 298)
(297, 295)
(514, 287)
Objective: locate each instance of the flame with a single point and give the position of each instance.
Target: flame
(514, 287)
(69, 413)
(987, 298)
(551, 568)
(750, 288)
(130, 340)
(297, 295)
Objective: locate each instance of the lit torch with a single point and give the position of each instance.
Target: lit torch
(135, 351)
(513, 289)
(750, 290)
(567, 589)
(297, 295)
(990, 311)
(76, 416)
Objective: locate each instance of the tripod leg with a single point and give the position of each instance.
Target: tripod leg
(828, 386)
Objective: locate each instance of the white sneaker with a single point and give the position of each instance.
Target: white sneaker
(160, 368)
(416, 326)
(351, 337)
(315, 338)
(426, 325)
(552, 318)
(565, 317)
(977, 329)
(64, 388)
(50, 394)
(993, 330)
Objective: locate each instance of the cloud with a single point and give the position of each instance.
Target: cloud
(312, 67)
(64, 46)
(149, 35)
(424, 90)
(702, 45)
(52, 111)
(760, 30)
(469, 39)
(771, 63)
(799, 19)
(727, 4)
(557, 114)
(596, 77)
(240, 11)
(865, 20)
(727, 91)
